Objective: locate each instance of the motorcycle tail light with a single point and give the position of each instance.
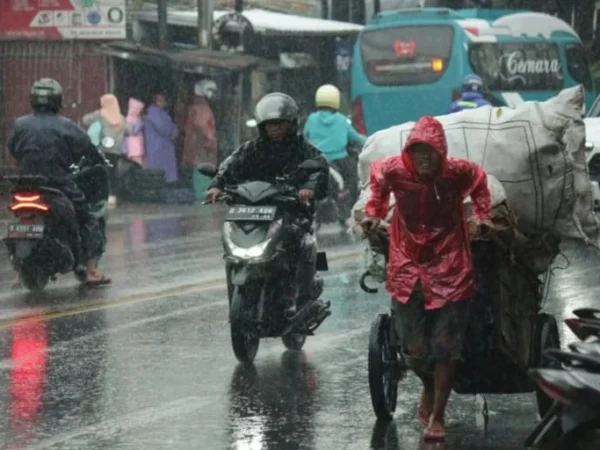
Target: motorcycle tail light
(578, 328)
(554, 392)
(28, 202)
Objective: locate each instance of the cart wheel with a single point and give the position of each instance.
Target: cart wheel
(547, 333)
(382, 384)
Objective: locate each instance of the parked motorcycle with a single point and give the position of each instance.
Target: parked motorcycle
(573, 422)
(38, 240)
(261, 222)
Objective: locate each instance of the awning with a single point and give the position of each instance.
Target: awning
(263, 22)
(196, 60)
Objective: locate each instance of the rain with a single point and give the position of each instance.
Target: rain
(116, 333)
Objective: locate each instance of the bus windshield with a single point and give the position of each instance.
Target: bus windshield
(518, 66)
(406, 55)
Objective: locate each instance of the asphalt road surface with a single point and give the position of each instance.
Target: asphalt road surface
(147, 364)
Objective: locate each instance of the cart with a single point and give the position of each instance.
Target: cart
(506, 315)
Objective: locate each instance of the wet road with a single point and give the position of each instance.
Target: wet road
(147, 364)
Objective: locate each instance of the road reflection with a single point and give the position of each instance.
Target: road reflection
(57, 377)
(273, 406)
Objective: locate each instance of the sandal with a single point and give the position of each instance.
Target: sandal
(100, 282)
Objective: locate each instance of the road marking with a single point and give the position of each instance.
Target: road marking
(72, 310)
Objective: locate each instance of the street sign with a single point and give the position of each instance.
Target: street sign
(62, 19)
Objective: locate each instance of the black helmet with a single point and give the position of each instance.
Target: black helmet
(46, 95)
(276, 106)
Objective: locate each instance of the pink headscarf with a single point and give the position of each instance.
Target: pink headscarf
(111, 112)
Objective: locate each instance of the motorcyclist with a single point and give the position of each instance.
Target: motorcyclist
(331, 132)
(277, 151)
(46, 143)
(472, 95)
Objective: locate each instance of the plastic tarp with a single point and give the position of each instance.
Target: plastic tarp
(536, 151)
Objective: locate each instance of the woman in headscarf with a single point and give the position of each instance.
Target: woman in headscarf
(133, 145)
(113, 125)
(160, 132)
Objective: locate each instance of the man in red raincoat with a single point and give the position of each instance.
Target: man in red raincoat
(430, 270)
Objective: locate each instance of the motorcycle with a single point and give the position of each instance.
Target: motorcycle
(573, 421)
(335, 207)
(38, 241)
(261, 222)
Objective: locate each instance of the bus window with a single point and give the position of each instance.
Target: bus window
(517, 66)
(577, 66)
(406, 55)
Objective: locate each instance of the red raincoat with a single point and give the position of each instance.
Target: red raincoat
(429, 238)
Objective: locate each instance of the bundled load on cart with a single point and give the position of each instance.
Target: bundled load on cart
(534, 156)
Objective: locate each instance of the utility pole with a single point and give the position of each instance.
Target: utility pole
(205, 20)
(163, 30)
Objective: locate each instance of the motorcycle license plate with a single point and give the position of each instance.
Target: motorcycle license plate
(28, 231)
(241, 212)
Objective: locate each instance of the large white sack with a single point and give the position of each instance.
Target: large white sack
(536, 150)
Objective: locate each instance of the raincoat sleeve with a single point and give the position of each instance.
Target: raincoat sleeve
(355, 136)
(317, 181)
(473, 182)
(162, 123)
(233, 169)
(12, 141)
(137, 128)
(378, 203)
(90, 118)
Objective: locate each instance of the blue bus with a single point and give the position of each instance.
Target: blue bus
(409, 63)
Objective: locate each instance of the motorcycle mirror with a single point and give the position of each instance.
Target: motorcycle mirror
(251, 123)
(107, 142)
(208, 169)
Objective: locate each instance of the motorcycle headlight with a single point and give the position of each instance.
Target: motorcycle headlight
(254, 252)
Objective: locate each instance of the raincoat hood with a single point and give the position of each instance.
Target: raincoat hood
(111, 112)
(134, 110)
(326, 118)
(428, 130)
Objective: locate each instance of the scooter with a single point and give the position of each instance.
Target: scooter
(574, 419)
(37, 241)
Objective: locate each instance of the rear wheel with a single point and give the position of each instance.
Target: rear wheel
(293, 341)
(34, 279)
(244, 335)
(549, 339)
(382, 384)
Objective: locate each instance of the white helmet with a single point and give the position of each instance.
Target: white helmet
(328, 96)
(205, 88)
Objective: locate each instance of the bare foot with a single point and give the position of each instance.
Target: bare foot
(97, 278)
(435, 431)
(426, 406)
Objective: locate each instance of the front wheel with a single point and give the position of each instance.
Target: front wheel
(293, 341)
(34, 278)
(382, 359)
(244, 336)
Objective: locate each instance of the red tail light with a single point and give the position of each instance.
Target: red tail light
(358, 119)
(575, 326)
(554, 392)
(25, 202)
